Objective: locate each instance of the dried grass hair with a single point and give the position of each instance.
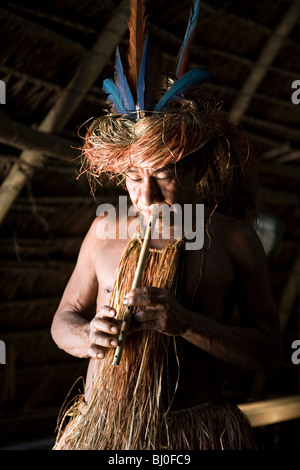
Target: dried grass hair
(194, 130)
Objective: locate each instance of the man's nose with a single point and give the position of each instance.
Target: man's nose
(150, 192)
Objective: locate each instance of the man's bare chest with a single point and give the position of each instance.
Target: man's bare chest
(207, 276)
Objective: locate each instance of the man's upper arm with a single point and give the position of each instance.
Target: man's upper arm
(81, 291)
(254, 296)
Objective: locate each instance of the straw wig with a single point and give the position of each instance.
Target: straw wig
(115, 143)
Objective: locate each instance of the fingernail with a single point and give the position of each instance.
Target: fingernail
(114, 342)
(125, 302)
(100, 355)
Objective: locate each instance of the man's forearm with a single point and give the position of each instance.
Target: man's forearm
(70, 331)
(243, 347)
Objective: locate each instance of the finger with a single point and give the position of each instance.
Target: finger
(104, 340)
(96, 351)
(111, 326)
(145, 290)
(106, 311)
(142, 300)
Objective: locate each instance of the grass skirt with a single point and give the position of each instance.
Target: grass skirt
(214, 425)
(126, 408)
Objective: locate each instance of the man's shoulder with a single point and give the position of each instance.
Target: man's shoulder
(242, 233)
(239, 238)
(109, 230)
(229, 227)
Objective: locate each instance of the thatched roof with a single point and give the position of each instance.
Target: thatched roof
(54, 57)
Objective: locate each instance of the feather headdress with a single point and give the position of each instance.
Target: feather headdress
(156, 121)
(138, 93)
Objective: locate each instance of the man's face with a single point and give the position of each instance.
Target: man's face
(168, 185)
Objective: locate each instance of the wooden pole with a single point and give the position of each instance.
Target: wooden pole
(265, 59)
(272, 411)
(90, 67)
(136, 283)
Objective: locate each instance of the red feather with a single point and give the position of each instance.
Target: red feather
(137, 36)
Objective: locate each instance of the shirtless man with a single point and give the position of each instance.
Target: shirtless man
(234, 272)
(168, 137)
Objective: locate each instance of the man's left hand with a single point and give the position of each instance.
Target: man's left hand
(161, 311)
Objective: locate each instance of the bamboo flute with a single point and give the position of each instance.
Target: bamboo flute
(136, 283)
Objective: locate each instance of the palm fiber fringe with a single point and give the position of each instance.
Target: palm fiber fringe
(215, 425)
(125, 404)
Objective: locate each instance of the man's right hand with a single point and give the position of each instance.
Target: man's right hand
(104, 332)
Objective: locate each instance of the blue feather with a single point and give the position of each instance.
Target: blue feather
(184, 50)
(141, 88)
(122, 84)
(183, 84)
(113, 95)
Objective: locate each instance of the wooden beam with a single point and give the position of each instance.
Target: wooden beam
(92, 97)
(272, 411)
(40, 31)
(108, 194)
(277, 197)
(265, 59)
(207, 51)
(289, 157)
(261, 140)
(233, 92)
(57, 19)
(91, 65)
(279, 130)
(284, 171)
(276, 152)
(18, 135)
(244, 22)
